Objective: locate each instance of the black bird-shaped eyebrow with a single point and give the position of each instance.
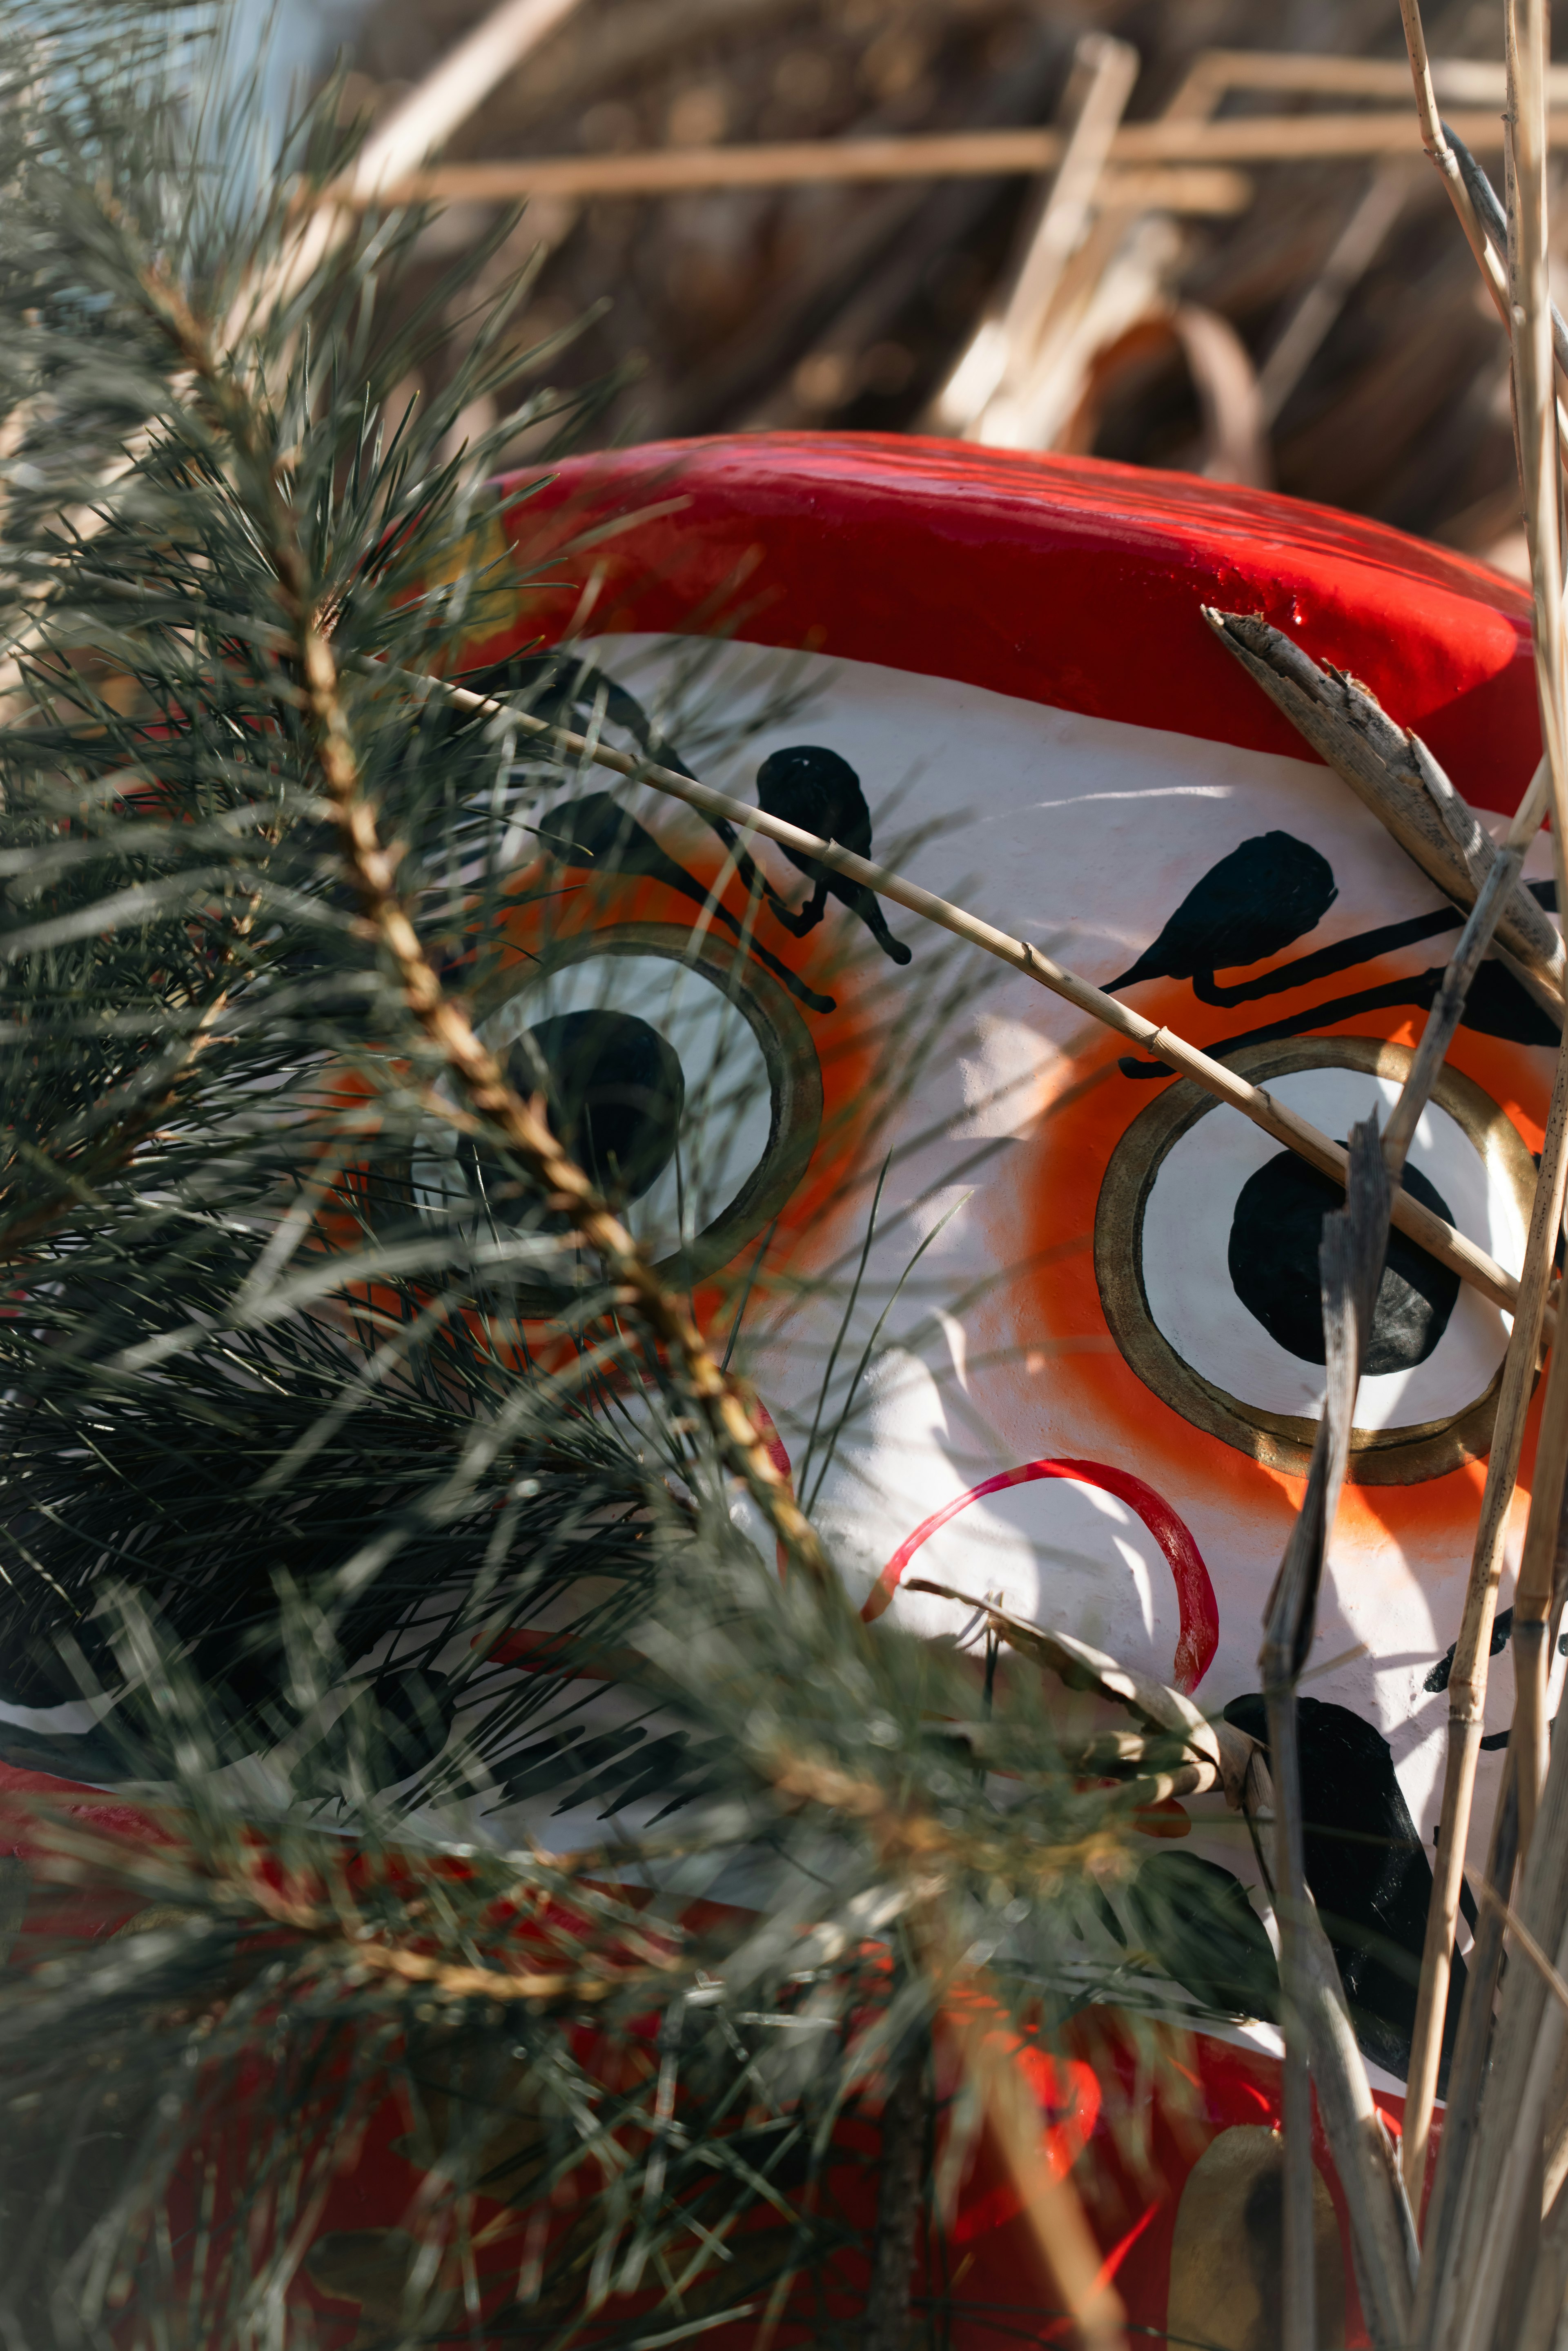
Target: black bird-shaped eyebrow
(598, 833)
(1269, 891)
(809, 786)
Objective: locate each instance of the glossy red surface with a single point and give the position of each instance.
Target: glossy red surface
(1058, 580)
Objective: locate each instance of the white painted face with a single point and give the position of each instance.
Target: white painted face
(1083, 1361)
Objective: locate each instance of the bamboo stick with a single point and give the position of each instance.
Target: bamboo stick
(1472, 1649)
(937, 155)
(1431, 1232)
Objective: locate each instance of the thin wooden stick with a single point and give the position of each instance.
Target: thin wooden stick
(1354, 1243)
(1298, 2263)
(1351, 255)
(995, 363)
(937, 155)
(1174, 187)
(1052, 2206)
(1472, 1649)
(1228, 1758)
(1494, 220)
(1532, 1595)
(1431, 1232)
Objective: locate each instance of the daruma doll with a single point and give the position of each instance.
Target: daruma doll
(1085, 1362)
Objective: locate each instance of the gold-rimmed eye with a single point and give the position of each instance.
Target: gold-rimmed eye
(1206, 1254)
(680, 1075)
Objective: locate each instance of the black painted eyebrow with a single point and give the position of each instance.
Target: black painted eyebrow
(1362, 949)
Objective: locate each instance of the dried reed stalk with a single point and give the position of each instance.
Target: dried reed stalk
(1394, 773)
(1227, 1758)
(1502, 2190)
(1052, 2206)
(995, 365)
(1381, 2225)
(416, 128)
(1504, 2164)
(1439, 1238)
(1535, 423)
(1353, 1245)
(1434, 2285)
(936, 155)
(1442, 155)
(1472, 1649)
(1354, 1253)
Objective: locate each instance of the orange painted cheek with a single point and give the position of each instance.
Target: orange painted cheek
(1051, 1320)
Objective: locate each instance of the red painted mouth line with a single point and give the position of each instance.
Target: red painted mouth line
(1200, 1610)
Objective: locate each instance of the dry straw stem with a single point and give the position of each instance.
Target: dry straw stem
(1439, 1238)
(1379, 2214)
(1104, 74)
(1433, 140)
(1052, 2205)
(1472, 2047)
(1472, 1649)
(1394, 773)
(961, 154)
(1350, 1262)
(1503, 2172)
(1536, 432)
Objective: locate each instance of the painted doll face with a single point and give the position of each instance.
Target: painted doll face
(1116, 1308)
(1084, 1361)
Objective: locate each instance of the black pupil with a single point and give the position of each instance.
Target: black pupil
(614, 1093)
(1273, 1263)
